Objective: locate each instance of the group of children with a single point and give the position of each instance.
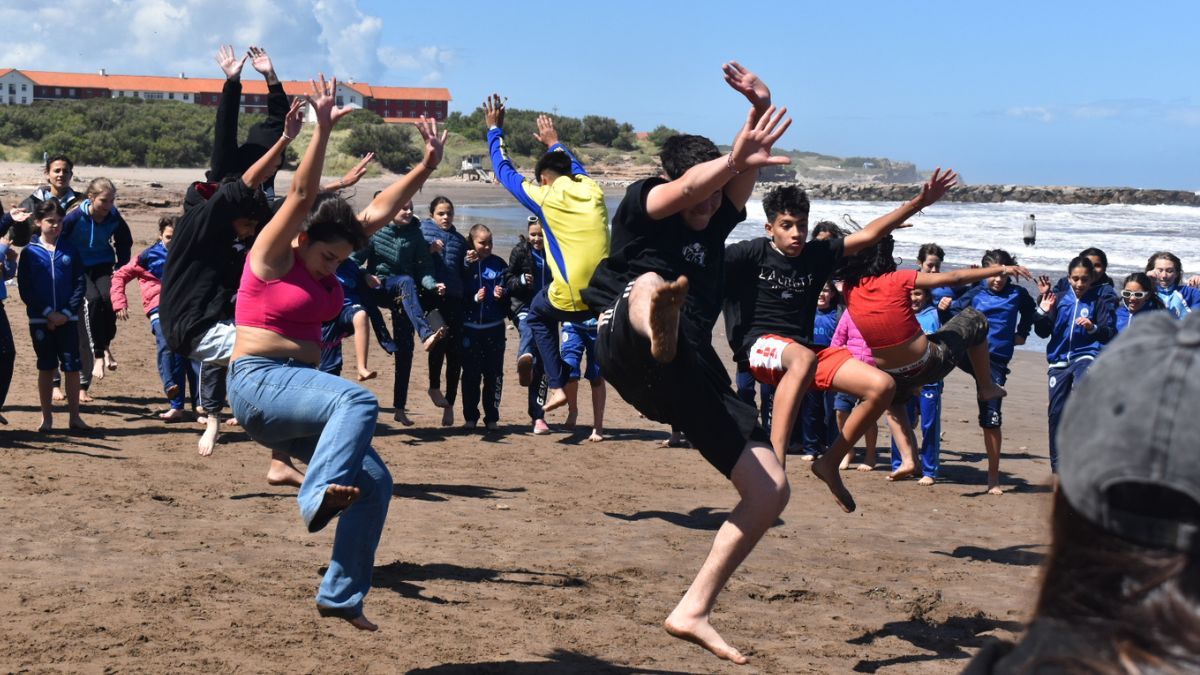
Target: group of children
(262, 291)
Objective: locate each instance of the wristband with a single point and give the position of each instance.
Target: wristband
(286, 137)
(729, 165)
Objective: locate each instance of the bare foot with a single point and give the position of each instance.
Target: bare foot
(337, 498)
(232, 422)
(905, 471)
(844, 465)
(78, 424)
(925, 480)
(401, 416)
(58, 395)
(172, 391)
(572, 418)
(995, 490)
(448, 416)
(110, 361)
(201, 419)
(208, 440)
(540, 428)
(98, 370)
(433, 340)
(470, 424)
(172, 415)
(46, 425)
(806, 457)
(666, 302)
(492, 426)
(360, 622)
(866, 467)
(833, 480)
(282, 473)
(3, 420)
(438, 398)
(700, 631)
(525, 369)
(364, 375)
(596, 437)
(84, 397)
(991, 392)
(555, 399)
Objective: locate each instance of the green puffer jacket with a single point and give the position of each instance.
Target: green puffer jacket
(399, 249)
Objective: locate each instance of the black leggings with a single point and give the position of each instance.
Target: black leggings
(448, 349)
(101, 319)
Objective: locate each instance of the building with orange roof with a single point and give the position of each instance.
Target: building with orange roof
(393, 104)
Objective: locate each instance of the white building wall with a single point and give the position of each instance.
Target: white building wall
(16, 89)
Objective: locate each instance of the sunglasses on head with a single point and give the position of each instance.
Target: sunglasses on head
(1134, 295)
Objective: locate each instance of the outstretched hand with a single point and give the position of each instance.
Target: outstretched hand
(261, 62)
(230, 63)
(295, 118)
(493, 111)
(747, 84)
(19, 214)
(435, 145)
(937, 186)
(355, 173)
(1047, 298)
(752, 147)
(1014, 270)
(546, 134)
(322, 100)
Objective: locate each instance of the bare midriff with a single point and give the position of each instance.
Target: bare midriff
(272, 345)
(888, 358)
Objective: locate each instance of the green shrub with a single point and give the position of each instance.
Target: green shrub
(393, 146)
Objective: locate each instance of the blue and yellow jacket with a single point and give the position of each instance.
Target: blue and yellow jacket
(574, 219)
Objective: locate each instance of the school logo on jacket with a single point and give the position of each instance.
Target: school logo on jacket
(1083, 312)
(695, 253)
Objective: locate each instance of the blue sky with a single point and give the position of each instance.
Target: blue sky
(1095, 93)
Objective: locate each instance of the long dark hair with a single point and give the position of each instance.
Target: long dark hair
(1142, 279)
(332, 219)
(1142, 605)
(869, 262)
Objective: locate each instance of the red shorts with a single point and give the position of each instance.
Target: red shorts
(766, 361)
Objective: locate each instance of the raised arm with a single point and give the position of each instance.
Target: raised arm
(271, 256)
(352, 176)
(547, 135)
(929, 280)
(933, 190)
(266, 165)
(384, 207)
(755, 90)
(502, 166)
(226, 129)
(751, 150)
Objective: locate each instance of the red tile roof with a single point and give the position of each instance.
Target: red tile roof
(206, 85)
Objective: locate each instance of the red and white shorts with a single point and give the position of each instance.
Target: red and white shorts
(766, 361)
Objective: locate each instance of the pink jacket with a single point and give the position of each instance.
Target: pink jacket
(846, 334)
(147, 283)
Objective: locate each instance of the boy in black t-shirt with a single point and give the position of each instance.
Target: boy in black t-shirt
(659, 293)
(770, 316)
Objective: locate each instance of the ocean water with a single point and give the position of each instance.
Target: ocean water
(1127, 234)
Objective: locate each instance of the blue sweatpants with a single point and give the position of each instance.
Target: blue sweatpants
(929, 405)
(543, 320)
(482, 369)
(1062, 382)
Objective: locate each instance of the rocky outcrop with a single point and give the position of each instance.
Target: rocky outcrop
(1000, 193)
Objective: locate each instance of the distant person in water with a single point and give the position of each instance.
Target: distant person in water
(1030, 232)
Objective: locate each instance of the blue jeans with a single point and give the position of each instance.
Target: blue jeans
(327, 422)
(818, 421)
(543, 320)
(173, 369)
(929, 403)
(401, 288)
(535, 393)
(525, 344)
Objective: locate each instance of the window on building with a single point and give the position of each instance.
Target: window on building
(23, 101)
(58, 91)
(171, 96)
(338, 102)
(71, 92)
(22, 89)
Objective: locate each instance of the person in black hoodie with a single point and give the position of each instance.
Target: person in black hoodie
(527, 274)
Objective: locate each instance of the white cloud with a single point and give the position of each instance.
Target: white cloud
(166, 37)
(1039, 113)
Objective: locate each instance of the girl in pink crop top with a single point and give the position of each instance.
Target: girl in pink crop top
(286, 291)
(294, 305)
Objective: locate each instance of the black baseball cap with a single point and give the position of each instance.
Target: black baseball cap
(1130, 436)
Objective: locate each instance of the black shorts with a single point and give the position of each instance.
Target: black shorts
(947, 350)
(691, 393)
(58, 348)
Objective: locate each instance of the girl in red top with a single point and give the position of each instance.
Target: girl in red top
(877, 297)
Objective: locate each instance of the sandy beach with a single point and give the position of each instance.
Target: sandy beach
(127, 552)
